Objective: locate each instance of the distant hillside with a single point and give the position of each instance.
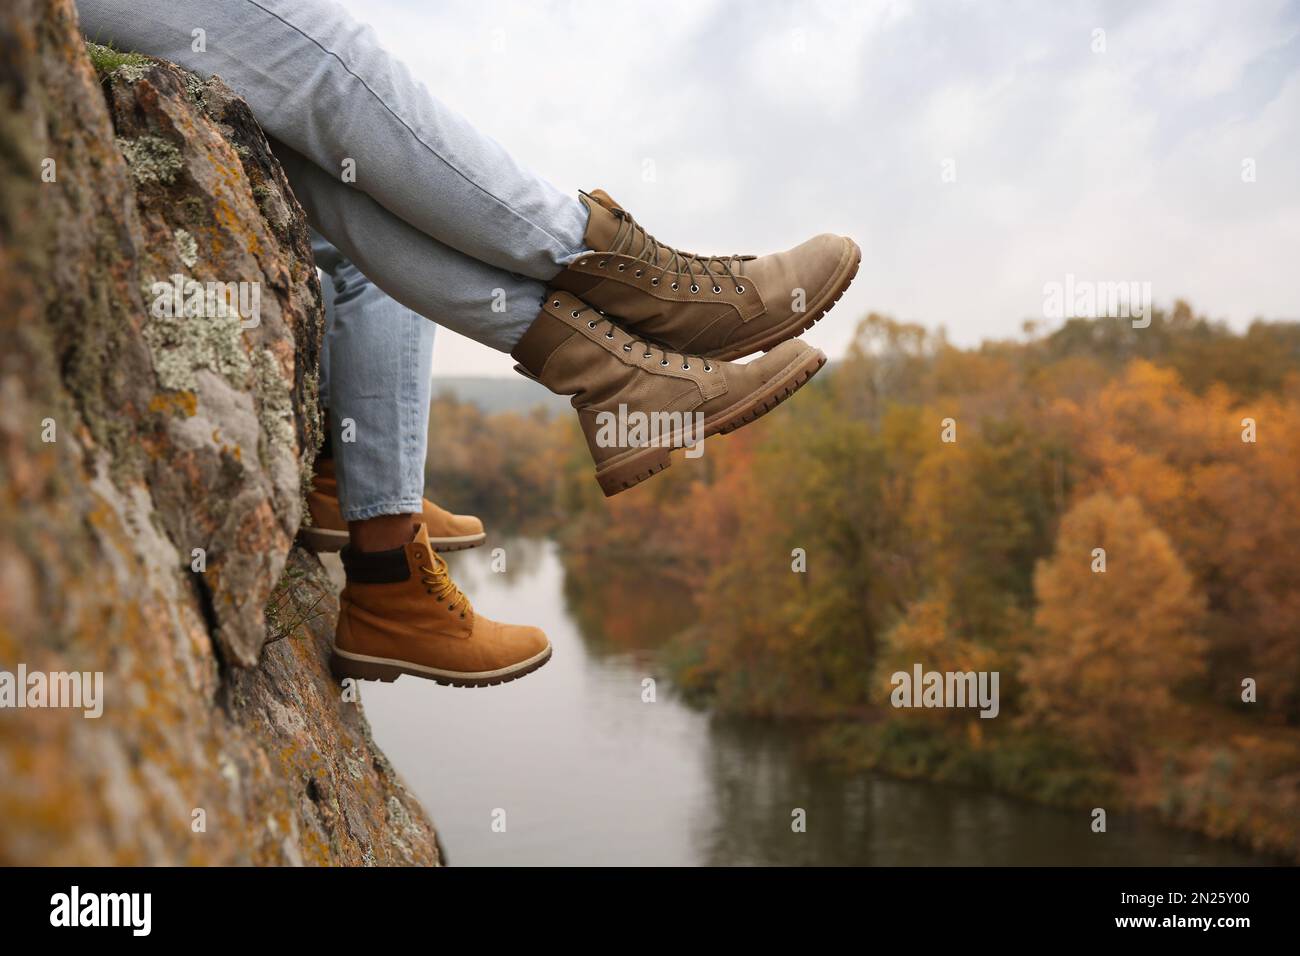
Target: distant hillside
(492, 393)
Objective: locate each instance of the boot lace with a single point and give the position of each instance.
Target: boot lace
(437, 581)
(649, 347)
(712, 269)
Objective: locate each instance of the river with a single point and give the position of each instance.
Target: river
(581, 770)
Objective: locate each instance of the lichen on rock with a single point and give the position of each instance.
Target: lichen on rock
(186, 248)
(151, 158)
(152, 539)
(197, 337)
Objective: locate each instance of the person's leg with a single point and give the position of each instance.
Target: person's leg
(376, 363)
(458, 292)
(400, 612)
(566, 345)
(320, 82)
(377, 416)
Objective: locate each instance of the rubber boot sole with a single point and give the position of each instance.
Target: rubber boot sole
(632, 467)
(321, 540)
(800, 322)
(344, 664)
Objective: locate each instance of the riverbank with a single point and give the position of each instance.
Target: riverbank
(1239, 789)
(1209, 791)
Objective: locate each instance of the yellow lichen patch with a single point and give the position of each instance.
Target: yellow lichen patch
(314, 850)
(185, 403)
(235, 224)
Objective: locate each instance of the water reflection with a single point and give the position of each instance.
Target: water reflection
(618, 608)
(758, 776)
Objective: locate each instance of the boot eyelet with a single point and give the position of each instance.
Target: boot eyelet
(685, 367)
(591, 325)
(740, 290)
(717, 289)
(430, 590)
(694, 287)
(664, 362)
(583, 262)
(622, 267)
(462, 615)
(601, 263)
(639, 273)
(674, 286)
(648, 355)
(574, 313)
(609, 335)
(708, 367)
(627, 348)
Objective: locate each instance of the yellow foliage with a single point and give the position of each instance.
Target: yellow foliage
(1112, 644)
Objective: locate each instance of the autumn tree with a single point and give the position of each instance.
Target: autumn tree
(1113, 640)
(1219, 474)
(928, 636)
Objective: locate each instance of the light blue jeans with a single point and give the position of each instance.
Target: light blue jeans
(375, 367)
(410, 196)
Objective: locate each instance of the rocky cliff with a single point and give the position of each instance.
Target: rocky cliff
(157, 418)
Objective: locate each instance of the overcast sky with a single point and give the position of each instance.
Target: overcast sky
(767, 122)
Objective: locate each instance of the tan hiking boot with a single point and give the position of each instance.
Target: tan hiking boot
(638, 401)
(400, 613)
(329, 532)
(722, 307)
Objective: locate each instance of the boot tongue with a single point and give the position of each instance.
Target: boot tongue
(605, 199)
(440, 569)
(603, 226)
(422, 537)
(602, 222)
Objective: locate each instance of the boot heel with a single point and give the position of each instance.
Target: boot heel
(342, 667)
(635, 470)
(322, 540)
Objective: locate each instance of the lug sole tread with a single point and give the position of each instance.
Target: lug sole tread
(342, 667)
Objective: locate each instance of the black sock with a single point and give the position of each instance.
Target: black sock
(375, 567)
